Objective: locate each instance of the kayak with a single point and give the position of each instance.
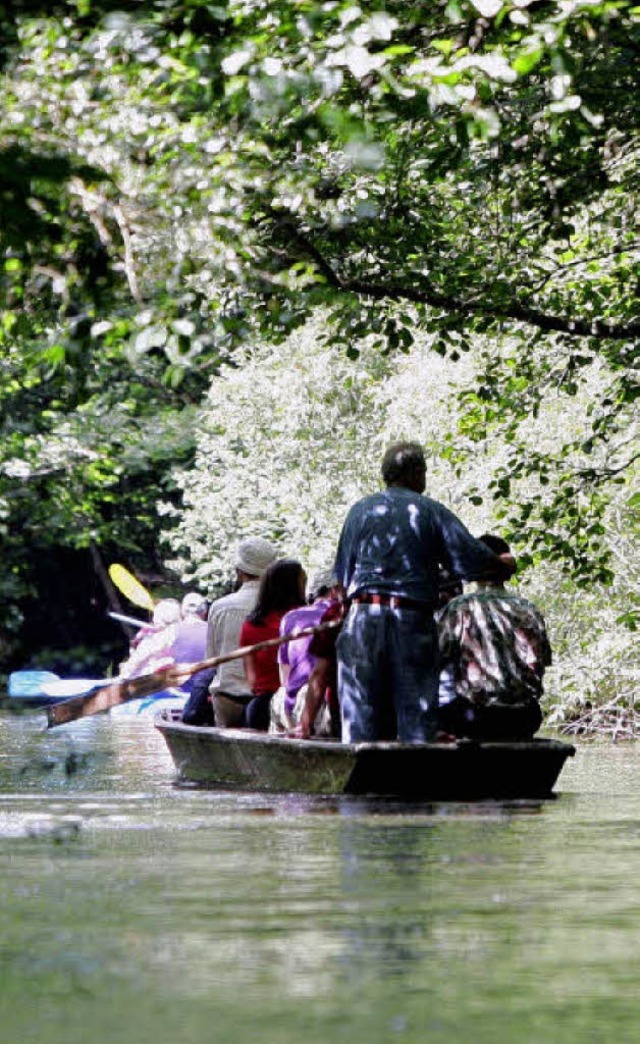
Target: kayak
(463, 770)
(168, 699)
(44, 689)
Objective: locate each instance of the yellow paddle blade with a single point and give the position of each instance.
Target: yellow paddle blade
(130, 587)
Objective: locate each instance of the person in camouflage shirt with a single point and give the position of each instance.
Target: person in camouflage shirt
(494, 649)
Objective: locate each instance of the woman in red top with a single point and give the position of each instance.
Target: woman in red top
(281, 589)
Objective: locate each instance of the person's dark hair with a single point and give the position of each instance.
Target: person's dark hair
(495, 544)
(401, 460)
(279, 590)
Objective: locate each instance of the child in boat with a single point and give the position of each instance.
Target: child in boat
(282, 588)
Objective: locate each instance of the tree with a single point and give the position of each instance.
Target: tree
(289, 439)
(476, 160)
(285, 440)
(86, 452)
(199, 176)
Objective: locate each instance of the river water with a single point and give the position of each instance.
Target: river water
(135, 910)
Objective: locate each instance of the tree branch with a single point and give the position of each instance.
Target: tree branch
(427, 295)
(579, 261)
(604, 473)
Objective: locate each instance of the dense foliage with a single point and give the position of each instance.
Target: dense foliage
(289, 439)
(180, 180)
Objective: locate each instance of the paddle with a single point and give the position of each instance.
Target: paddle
(131, 587)
(134, 688)
(129, 620)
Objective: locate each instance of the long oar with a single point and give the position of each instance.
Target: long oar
(131, 587)
(134, 688)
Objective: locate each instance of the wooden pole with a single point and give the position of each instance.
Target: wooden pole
(110, 695)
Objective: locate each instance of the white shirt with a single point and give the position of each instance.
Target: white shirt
(226, 617)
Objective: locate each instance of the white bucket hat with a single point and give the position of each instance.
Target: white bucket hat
(255, 555)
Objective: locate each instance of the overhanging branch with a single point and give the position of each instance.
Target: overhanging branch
(599, 328)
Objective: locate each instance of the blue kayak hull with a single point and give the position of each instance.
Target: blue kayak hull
(44, 689)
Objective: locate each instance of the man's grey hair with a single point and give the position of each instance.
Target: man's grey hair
(401, 459)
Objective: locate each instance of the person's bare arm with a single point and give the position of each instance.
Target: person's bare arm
(316, 689)
(250, 670)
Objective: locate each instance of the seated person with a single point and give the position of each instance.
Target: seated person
(154, 651)
(494, 649)
(189, 640)
(228, 689)
(179, 637)
(190, 647)
(294, 658)
(317, 711)
(282, 588)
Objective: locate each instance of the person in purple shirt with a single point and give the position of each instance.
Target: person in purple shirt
(191, 631)
(294, 658)
(391, 549)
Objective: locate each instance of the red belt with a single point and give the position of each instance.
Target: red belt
(393, 601)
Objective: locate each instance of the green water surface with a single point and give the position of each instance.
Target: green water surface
(134, 910)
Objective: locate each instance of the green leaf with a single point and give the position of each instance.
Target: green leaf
(525, 62)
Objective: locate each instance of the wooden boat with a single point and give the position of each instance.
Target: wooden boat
(240, 759)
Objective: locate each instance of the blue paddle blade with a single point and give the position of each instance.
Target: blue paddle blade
(29, 683)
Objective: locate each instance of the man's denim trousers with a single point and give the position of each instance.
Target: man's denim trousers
(388, 657)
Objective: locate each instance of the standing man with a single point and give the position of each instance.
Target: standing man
(229, 689)
(389, 554)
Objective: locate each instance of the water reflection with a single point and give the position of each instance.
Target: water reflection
(154, 912)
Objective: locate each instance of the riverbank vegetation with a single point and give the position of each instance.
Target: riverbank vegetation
(289, 439)
(244, 244)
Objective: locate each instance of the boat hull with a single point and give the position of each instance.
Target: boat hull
(244, 760)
